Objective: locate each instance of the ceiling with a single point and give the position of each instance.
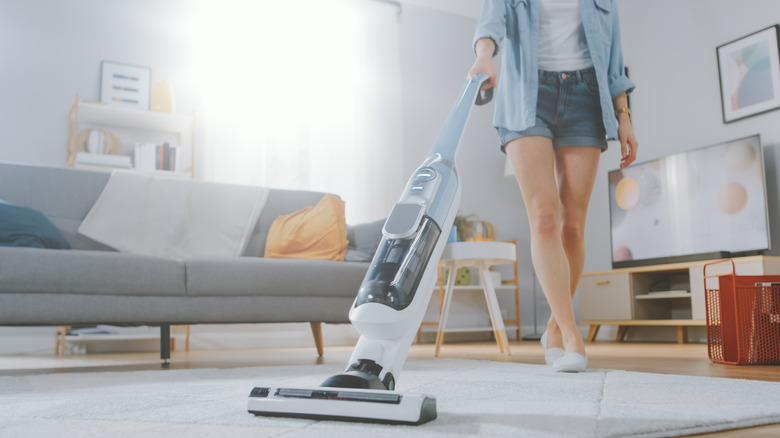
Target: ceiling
(467, 8)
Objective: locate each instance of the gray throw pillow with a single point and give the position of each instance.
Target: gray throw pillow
(354, 255)
(363, 240)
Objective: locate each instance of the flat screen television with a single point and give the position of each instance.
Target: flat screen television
(701, 204)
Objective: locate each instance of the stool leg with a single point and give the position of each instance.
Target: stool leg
(445, 310)
(495, 312)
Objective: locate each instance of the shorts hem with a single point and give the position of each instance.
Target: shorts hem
(508, 136)
(540, 131)
(581, 141)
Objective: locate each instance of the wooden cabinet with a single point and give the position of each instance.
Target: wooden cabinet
(657, 295)
(603, 296)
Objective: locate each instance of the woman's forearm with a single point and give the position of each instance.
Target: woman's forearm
(485, 48)
(621, 102)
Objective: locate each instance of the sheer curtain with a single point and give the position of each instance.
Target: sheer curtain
(303, 95)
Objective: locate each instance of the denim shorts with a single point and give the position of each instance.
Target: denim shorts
(568, 111)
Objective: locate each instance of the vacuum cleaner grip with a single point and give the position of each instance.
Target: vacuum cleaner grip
(484, 97)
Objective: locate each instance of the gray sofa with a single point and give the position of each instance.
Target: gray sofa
(93, 284)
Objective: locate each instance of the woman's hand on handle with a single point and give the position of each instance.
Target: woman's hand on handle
(485, 49)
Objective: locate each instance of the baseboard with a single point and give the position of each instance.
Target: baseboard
(41, 340)
(27, 340)
(242, 336)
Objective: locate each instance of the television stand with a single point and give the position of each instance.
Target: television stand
(657, 295)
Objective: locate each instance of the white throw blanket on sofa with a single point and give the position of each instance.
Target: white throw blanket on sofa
(175, 218)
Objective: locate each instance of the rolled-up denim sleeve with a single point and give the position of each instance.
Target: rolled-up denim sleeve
(616, 75)
(491, 24)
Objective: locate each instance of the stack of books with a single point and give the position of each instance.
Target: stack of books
(151, 156)
(106, 162)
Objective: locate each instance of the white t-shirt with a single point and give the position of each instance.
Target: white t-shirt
(562, 44)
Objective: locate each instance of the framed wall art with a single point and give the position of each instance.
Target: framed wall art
(749, 70)
(125, 85)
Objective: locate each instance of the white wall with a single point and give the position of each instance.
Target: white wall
(52, 50)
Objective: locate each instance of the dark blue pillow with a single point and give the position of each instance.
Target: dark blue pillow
(22, 226)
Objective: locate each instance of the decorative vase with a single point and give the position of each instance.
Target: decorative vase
(162, 97)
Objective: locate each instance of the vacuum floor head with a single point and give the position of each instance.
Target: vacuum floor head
(343, 404)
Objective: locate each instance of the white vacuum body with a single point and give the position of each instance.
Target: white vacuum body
(393, 297)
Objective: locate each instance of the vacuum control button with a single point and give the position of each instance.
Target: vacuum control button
(424, 174)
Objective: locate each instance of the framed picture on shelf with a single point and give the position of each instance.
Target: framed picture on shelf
(749, 70)
(125, 85)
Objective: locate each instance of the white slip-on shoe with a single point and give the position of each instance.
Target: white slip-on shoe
(550, 354)
(571, 363)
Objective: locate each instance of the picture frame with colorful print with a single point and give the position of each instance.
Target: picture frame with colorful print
(749, 71)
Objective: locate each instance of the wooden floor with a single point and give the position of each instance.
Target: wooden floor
(687, 359)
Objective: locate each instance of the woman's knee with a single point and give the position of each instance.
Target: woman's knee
(546, 223)
(573, 232)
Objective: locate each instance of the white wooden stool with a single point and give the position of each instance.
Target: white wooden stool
(480, 255)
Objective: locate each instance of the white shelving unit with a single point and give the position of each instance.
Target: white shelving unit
(100, 115)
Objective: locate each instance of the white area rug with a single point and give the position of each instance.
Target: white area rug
(475, 398)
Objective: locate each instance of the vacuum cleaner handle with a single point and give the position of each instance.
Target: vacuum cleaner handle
(486, 96)
(449, 136)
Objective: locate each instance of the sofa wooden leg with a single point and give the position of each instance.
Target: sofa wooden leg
(316, 330)
(165, 344)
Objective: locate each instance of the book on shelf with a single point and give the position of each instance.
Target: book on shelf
(664, 294)
(659, 293)
(95, 160)
(151, 156)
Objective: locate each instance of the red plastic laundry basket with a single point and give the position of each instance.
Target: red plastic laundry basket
(743, 317)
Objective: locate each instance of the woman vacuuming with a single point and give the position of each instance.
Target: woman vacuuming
(562, 95)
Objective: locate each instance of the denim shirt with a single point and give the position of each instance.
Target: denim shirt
(518, 22)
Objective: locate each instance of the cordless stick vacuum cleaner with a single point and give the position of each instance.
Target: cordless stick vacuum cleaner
(393, 297)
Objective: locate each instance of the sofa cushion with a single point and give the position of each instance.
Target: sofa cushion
(22, 226)
(250, 276)
(88, 272)
(314, 232)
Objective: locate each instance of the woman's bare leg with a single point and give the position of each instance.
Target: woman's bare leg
(576, 169)
(534, 162)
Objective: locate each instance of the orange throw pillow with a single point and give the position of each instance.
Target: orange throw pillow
(318, 232)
